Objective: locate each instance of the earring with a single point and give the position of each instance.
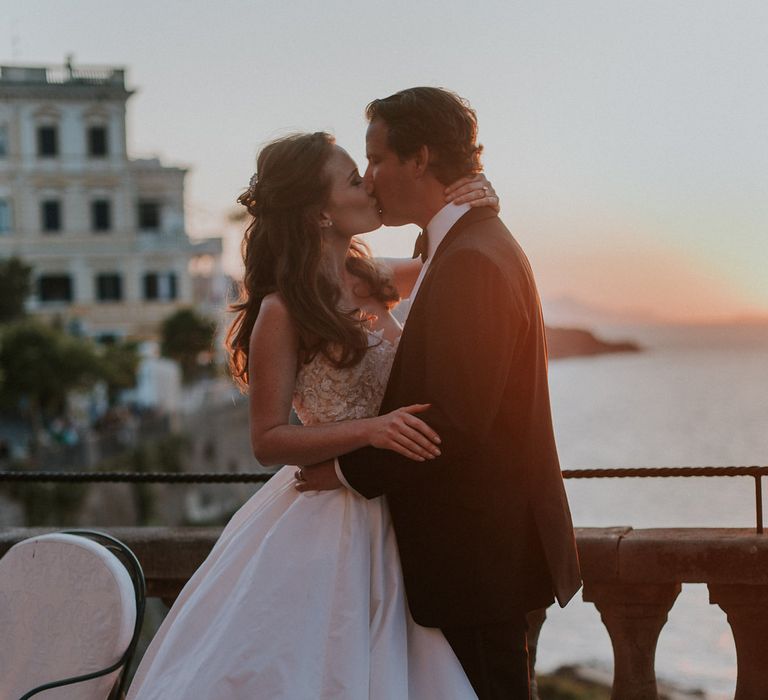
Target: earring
(326, 223)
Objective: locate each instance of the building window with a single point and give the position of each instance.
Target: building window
(47, 142)
(55, 288)
(5, 216)
(50, 215)
(3, 140)
(101, 215)
(149, 215)
(160, 286)
(109, 287)
(97, 141)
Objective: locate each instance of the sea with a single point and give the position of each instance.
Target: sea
(695, 396)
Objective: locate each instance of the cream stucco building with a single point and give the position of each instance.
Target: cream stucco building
(104, 233)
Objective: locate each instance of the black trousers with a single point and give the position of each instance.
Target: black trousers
(495, 658)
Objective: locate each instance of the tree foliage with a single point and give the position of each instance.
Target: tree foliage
(15, 287)
(119, 367)
(186, 337)
(41, 365)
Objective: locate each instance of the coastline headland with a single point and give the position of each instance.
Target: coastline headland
(577, 342)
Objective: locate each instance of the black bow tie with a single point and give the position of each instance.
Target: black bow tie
(421, 249)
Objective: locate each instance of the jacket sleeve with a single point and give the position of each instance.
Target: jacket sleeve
(473, 321)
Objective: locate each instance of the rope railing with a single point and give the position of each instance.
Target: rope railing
(631, 472)
(138, 477)
(756, 472)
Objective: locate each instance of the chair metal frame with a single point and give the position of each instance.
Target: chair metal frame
(132, 565)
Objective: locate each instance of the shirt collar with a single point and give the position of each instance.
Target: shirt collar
(441, 223)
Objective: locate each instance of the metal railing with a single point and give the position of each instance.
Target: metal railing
(756, 472)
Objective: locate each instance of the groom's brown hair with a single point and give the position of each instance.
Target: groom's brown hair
(436, 118)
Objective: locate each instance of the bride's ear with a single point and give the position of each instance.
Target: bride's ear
(325, 220)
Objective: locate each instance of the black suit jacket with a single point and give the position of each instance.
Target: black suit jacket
(484, 530)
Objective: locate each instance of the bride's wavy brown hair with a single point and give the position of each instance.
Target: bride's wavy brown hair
(282, 252)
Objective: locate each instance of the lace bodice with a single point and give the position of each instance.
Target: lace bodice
(325, 393)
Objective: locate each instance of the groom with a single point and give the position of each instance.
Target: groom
(484, 530)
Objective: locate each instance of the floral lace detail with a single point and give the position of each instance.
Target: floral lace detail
(325, 393)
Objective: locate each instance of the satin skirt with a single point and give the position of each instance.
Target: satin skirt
(302, 597)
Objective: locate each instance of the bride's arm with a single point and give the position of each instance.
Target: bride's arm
(272, 367)
(405, 272)
(477, 191)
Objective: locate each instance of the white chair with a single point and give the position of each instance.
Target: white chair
(71, 608)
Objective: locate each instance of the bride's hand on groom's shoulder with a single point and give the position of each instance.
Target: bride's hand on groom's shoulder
(402, 432)
(477, 191)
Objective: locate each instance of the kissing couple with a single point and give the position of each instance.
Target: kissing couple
(427, 515)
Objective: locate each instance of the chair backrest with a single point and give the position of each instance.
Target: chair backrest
(69, 607)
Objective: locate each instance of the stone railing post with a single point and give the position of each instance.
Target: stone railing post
(633, 614)
(747, 609)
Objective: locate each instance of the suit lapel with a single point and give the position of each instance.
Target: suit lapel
(472, 216)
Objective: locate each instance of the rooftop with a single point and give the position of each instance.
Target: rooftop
(67, 76)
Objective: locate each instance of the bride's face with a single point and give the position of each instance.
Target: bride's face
(350, 208)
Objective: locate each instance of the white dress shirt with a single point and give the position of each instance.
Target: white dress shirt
(437, 228)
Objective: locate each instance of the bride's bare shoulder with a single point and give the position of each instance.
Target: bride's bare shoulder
(274, 303)
(274, 318)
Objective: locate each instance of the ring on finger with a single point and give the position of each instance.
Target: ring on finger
(299, 475)
(485, 191)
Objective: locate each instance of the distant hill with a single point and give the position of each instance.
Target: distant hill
(576, 342)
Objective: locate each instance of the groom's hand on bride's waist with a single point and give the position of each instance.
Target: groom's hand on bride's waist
(317, 477)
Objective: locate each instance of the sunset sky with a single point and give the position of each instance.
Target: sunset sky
(628, 140)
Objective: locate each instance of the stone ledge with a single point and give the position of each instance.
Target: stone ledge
(170, 556)
(599, 550)
(694, 555)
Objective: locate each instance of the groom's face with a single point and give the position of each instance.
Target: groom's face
(387, 177)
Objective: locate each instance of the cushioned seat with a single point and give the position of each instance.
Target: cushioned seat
(68, 607)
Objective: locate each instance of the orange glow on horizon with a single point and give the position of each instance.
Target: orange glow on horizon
(647, 283)
(650, 284)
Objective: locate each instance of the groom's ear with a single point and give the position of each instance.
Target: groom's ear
(421, 161)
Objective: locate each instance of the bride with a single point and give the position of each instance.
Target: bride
(302, 596)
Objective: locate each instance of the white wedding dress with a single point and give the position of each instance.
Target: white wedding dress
(302, 597)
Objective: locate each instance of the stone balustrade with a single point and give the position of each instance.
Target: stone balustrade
(631, 576)
(634, 576)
